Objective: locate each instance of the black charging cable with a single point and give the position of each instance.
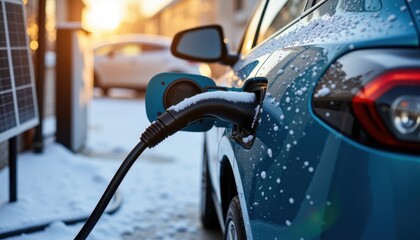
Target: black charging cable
(238, 108)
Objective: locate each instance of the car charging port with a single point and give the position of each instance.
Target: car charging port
(243, 135)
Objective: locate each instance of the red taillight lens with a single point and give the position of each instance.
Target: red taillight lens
(385, 110)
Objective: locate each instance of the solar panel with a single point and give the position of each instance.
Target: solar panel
(18, 108)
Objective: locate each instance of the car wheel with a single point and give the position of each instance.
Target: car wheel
(96, 83)
(234, 228)
(105, 91)
(208, 211)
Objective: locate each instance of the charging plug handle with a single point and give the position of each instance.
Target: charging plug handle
(239, 113)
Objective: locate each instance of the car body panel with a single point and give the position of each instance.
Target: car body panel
(414, 8)
(299, 164)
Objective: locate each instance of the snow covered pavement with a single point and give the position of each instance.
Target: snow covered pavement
(160, 193)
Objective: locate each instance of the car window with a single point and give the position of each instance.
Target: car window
(248, 41)
(362, 5)
(279, 13)
(129, 50)
(152, 47)
(103, 51)
(315, 2)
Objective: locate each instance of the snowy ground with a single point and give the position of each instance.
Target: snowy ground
(160, 193)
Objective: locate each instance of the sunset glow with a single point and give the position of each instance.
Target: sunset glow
(102, 15)
(151, 7)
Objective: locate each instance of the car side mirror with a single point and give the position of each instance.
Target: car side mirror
(202, 44)
(167, 89)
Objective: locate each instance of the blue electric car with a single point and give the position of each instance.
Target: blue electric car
(335, 153)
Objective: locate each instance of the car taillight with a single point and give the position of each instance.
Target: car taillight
(389, 110)
(383, 111)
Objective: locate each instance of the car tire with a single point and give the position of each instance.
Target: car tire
(208, 212)
(105, 91)
(96, 83)
(234, 227)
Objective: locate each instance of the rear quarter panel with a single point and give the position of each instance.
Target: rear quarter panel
(284, 180)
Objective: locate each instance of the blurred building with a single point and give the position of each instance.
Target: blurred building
(182, 14)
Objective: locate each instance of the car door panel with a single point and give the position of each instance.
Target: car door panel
(107, 68)
(144, 66)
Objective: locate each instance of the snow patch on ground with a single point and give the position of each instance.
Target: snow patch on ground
(160, 193)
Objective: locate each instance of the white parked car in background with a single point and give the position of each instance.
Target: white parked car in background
(130, 61)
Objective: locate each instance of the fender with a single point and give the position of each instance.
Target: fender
(226, 151)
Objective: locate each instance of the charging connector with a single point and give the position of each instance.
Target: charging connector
(238, 108)
(233, 107)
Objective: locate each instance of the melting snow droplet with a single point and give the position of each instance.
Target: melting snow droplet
(287, 99)
(327, 114)
(263, 174)
(323, 92)
(275, 128)
(291, 200)
(280, 72)
(403, 8)
(270, 153)
(306, 163)
(281, 117)
(288, 223)
(278, 180)
(391, 18)
(351, 46)
(310, 169)
(291, 132)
